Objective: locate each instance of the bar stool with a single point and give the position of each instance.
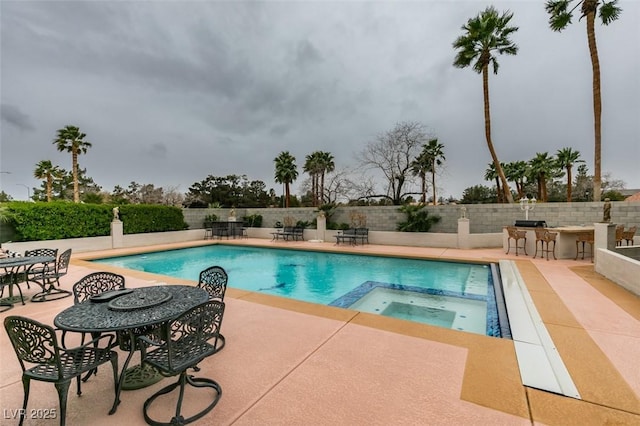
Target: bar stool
(516, 235)
(584, 238)
(549, 237)
(539, 239)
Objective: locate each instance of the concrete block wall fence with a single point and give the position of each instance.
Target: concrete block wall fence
(484, 218)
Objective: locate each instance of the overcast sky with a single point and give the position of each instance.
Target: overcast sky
(169, 92)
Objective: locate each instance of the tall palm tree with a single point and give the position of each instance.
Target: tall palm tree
(286, 172)
(327, 165)
(560, 17)
(566, 158)
(70, 139)
(485, 35)
(47, 171)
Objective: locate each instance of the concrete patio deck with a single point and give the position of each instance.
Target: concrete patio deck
(290, 362)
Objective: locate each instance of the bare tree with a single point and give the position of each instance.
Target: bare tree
(392, 153)
(173, 197)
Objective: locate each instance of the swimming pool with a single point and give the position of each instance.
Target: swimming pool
(460, 296)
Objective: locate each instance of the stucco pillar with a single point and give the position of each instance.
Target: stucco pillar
(604, 237)
(117, 238)
(463, 234)
(321, 227)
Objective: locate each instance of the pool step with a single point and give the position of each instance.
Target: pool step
(476, 282)
(541, 366)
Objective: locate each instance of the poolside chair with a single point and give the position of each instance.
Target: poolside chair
(516, 235)
(51, 280)
(185, 342)
(37, 270)
(92, 285)
(36, 344)
(214, 280)
(362, 234)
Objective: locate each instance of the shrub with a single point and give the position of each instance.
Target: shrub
(418, 219)
(253, 221)
(59, 220)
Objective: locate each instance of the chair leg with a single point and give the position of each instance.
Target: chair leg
(184, 380)
(25, 385)
(63, 390)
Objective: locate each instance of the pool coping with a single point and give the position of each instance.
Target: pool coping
(492, 376)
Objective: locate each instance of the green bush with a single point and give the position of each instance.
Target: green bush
(209, 219)
(253, 221)
(418, 219)
(59, 220)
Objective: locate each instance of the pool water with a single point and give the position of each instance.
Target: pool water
(454, 295)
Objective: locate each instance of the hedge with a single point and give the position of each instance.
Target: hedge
(59, 220)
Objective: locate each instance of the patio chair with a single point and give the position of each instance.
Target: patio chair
(36, 344)
(92, 285)
(38, 270)
(214, 280)
(362, 234)
(516, 235)
(628, 235)
(51, 280)
(184, 344)
(6, 280)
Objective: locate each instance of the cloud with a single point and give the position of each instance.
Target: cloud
(13, 116)
(170, 92)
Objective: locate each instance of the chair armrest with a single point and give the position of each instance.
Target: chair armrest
(93, 343)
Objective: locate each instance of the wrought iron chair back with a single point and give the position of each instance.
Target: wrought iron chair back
(36, 343)
(37, 270)
(214, 280)
(185, 342)
(51, 280)
(96, 283)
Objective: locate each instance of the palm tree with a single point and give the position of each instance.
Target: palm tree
(326, 166)
(435, 155)
(312, 166)
(486, 34)
(491, 174)
(566, 158)
(516, 172)
(70, 139)
(560, 17)
(286, 172)
(47, 171)
(420, 167)
(542, 166)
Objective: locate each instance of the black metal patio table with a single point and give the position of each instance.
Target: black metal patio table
(130, 311)
(12, 266)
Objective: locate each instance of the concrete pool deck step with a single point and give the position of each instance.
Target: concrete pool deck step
(540, 363)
